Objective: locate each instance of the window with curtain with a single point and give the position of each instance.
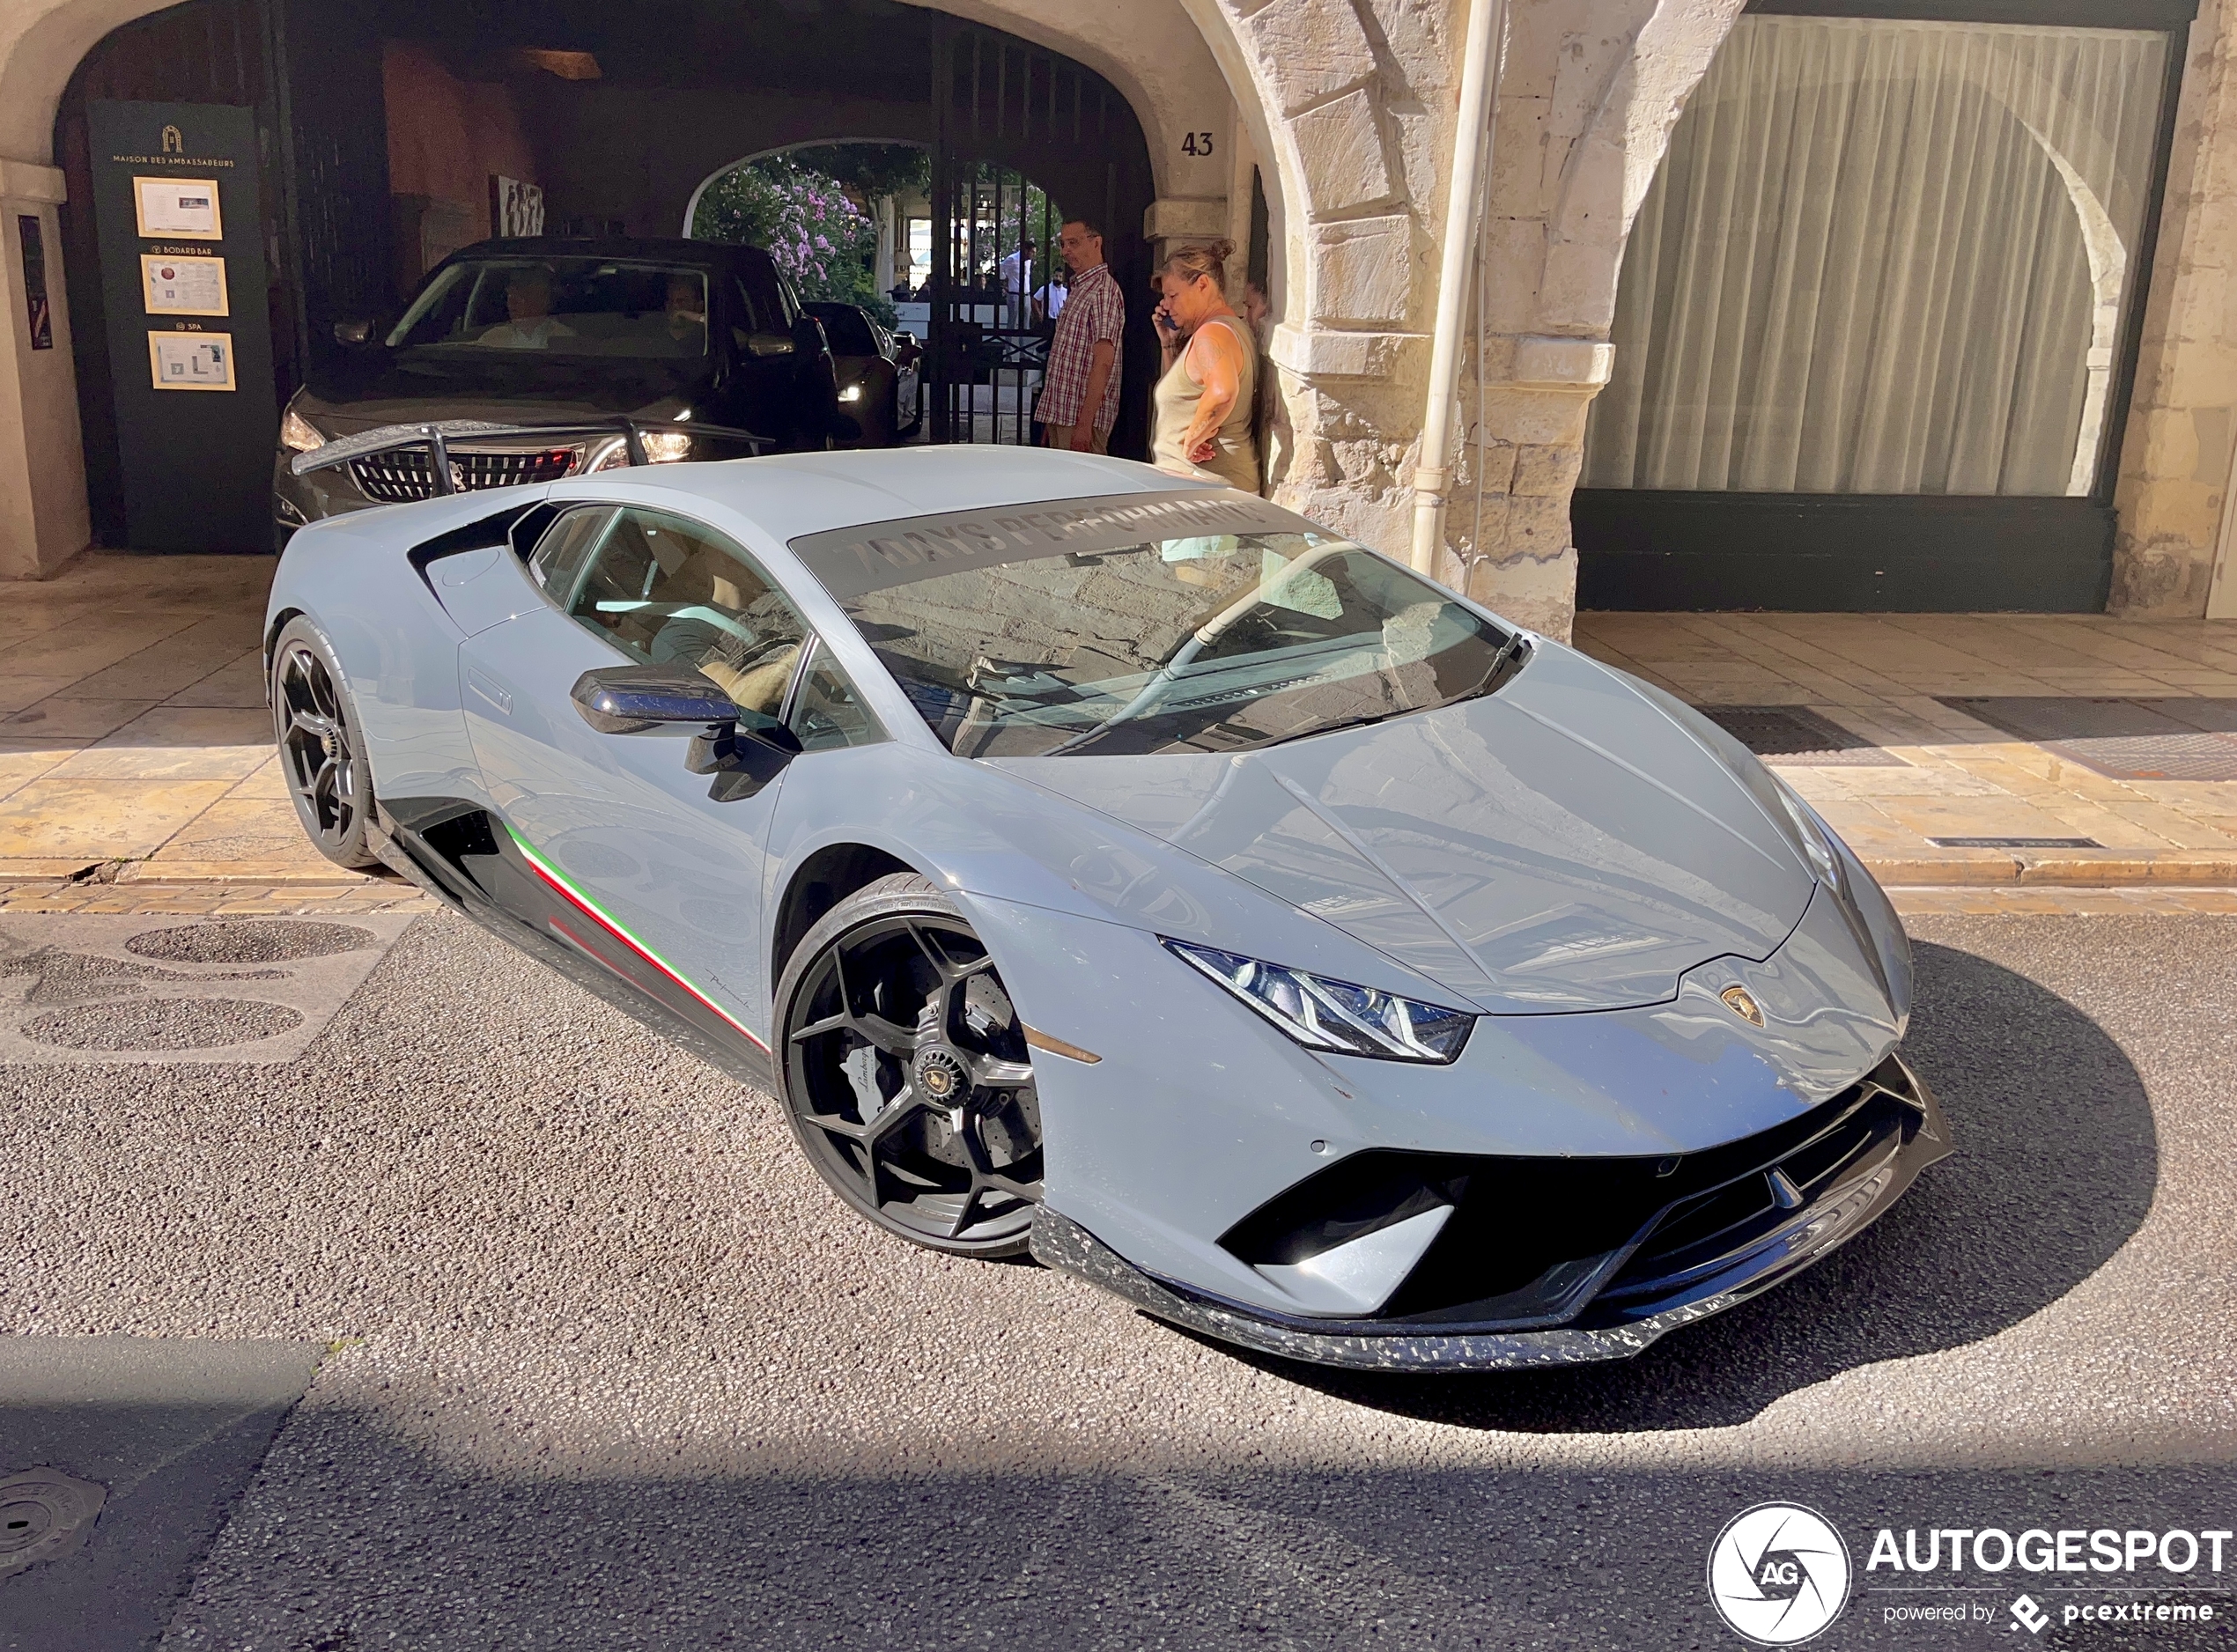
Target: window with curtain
(1884, 257)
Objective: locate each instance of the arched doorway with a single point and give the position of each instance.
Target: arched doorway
(383, 126)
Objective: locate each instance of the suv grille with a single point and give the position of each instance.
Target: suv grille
(404, 474)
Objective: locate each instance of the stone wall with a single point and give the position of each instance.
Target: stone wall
(2174, 493)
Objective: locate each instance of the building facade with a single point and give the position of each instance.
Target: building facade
(1795, 303)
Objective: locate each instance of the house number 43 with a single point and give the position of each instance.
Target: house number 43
(1197, 143)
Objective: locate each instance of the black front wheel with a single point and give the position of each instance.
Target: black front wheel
(320, 746)
(905, 1071)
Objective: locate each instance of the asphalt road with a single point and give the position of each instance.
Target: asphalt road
(614, 1370)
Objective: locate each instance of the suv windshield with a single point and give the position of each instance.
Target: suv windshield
(1148, 624)
(560, 306)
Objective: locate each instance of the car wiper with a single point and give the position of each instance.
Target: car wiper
(1513, 648)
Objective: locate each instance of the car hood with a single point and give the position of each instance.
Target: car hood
(1561, 845)
(392, 391)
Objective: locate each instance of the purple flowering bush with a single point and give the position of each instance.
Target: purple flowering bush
(803, 217)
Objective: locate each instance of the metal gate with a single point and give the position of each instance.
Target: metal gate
(1023, 139)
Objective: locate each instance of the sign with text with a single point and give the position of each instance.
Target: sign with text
(178, 221)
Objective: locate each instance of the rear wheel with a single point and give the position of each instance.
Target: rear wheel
(905, 1071)
(320, 752)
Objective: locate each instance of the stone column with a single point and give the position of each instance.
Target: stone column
(44, 517)
(2173, 496)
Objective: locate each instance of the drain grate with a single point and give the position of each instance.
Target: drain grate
(2123, 739)
(1797, 737)
(2015, 843)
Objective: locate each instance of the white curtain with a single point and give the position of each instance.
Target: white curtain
(1883, 257)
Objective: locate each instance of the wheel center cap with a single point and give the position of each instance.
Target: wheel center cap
(939, 1077)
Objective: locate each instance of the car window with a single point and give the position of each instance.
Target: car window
(667, 591)
(560, 306)
(763, 302)
(827, 711)
(557, 561)
(847, 328)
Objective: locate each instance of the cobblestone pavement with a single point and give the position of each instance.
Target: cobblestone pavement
(599, 1364)
(134, 746)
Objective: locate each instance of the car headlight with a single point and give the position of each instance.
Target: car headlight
(297, 434)
(1333, 1015)
(853, 393)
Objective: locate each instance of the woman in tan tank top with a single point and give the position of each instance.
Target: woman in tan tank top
(1210, 388)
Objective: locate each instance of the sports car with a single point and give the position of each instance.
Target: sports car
(1099, 864)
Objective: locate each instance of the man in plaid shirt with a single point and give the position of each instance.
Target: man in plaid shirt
(1080, 393)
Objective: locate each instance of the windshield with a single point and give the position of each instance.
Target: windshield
(1108, 627)
(560, 306)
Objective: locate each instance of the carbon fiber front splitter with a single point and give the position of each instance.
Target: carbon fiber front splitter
(1815, 1231)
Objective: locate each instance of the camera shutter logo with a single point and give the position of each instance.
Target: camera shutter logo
(1779, 1573)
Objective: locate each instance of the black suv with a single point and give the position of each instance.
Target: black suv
(668, 334)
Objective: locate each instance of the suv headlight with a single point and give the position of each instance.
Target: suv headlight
(1333, 1015)
(661, 447)
(297, 434)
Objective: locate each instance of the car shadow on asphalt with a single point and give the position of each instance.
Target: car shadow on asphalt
(2055, 1166)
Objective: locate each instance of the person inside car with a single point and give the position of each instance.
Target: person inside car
(528, 301)
(687, 313)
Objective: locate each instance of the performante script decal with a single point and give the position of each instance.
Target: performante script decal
(878, 555)
(605, 921)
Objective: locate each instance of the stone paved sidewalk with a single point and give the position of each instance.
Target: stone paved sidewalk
(134, 746)
(1944, 774)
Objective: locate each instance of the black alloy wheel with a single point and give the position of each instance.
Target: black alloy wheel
(906, 1074)
(318, 747)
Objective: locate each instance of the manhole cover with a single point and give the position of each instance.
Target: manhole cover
(263, 941)
(2180, 739)
(163, 1023)
(42, 1514)
(1796, 736)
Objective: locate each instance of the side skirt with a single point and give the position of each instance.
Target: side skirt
(465, 857)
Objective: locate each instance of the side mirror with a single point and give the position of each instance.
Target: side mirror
(662, 700)
(353, 333)
(651, 700)
(769, 343)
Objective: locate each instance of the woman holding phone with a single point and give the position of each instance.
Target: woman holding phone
(1205, 397)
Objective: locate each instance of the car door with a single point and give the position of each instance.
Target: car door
(666, 882)
(772, 351)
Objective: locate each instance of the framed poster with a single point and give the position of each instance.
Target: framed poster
(41, 315)
(191, 361)
(179, 206)
(515, 208)
(183, 286)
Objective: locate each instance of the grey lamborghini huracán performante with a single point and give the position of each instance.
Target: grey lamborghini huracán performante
(1100, 863)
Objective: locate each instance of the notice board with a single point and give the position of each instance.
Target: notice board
(177, 215)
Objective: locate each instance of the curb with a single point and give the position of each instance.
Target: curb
(2113, 868)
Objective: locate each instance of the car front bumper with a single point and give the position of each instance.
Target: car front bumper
(1875, 1143)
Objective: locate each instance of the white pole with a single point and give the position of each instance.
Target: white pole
(1471, 149)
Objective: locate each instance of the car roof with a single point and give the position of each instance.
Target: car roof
(787, 495)
(668, 249)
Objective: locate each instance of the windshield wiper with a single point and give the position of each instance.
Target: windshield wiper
(1512, 649)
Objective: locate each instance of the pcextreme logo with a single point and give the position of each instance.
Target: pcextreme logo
(1778, 1573)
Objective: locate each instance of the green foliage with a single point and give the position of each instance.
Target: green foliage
(808, 208)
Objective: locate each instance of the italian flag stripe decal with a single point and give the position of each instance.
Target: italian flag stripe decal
(605, 921)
